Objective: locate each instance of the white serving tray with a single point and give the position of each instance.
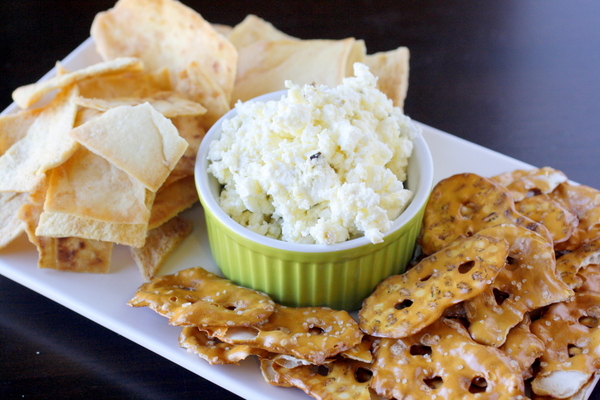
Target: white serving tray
(103, 298)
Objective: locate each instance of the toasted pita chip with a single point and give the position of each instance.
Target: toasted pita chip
(138, 140)
(26, 96)
(264, 66)
(172, 199)
(253, 29)
(11, 226)
(55, 224)
(192, 130)
(69, 253)
(160, 243)
(13, 127)
(391, 67)
(222, 29)
(138, 28)
(126, 84)
(169, 104)
(45, 146)
(90, 187)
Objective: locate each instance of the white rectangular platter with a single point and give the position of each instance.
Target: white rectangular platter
(103, 298)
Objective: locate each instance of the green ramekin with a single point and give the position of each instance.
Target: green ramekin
(339, 276)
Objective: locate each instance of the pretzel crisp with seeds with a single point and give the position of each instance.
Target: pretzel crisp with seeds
(463, 204)
(560, 222)
(401, 305)
(340, 379)
(196, 297)
(569, 265)
(443, 362)
(212, 349)
(528, 281)
(571, 333)
(314, 334)
(584, 202)
(526, 183)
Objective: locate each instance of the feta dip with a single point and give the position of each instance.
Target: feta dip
(321, 165)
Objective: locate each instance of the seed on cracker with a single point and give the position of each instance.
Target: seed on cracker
(196, 297)
(401, 305)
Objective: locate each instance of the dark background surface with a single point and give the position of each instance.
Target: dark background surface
(521, 77)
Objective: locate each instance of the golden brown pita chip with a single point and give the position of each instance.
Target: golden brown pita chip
(45, 146)
(13, 127)
(253, 29)
(138, 28)
(172, 199)
(126, 84)
(11, 226)
(160, 243)
(54, 224)
(169, 104)
(138, 140)
(192, 130)
(90, 187)
(264, 66)
(27, 95)
(391, 67)
(69, 253)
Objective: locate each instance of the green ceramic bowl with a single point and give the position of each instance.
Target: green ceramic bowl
(340, 275)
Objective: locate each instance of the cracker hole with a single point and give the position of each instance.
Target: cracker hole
(466, 267)
(467, 210)
(426, 278)
(403, 304)
(434, 383)
(362, 375)
(420, 350)
(574, 350)
(315, 330)
(533, 192)
(590, 322)
(322, 370)
(478, 385)
(500, 296)
(511, 264)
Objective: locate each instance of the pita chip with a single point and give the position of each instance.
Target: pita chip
(391, 67)
(11, 226)
(160, 243)
(46, 145)
(173, 199)
(138, 140)
(27, 95)
(253, 29)
(88, 186)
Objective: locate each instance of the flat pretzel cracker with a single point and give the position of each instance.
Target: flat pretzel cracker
(528, 281)
(340, 379)
(523, 346)
(213, 350)
(443, 362)
(526, 183)
(569, 265)
(560, 222)
(584, 202)
(571, 333)
(314, 334)
(401, 305)
(196, 297)
(465, 203)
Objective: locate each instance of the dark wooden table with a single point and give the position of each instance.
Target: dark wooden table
(521, 77)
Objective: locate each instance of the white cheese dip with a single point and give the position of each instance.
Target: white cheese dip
(321, 165)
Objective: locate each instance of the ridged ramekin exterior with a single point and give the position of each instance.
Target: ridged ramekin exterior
(339, 280)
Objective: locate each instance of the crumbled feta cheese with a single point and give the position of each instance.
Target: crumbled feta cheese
(321, 165)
